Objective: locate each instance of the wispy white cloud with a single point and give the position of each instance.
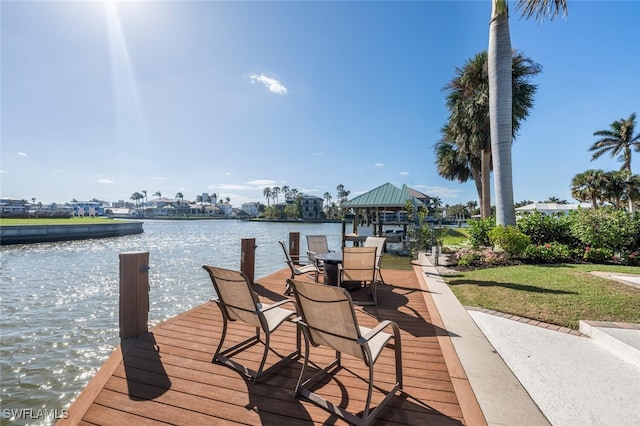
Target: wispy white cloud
(404, 173)
(105, 181)
(230, 187)
(273, 85)
(261, 182)
(439, 191)
(161, 178)
(379, 164)
(22, 154)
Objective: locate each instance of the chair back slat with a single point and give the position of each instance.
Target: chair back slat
(329, 315)
(317, 244)
(378, 243)
(235, 295)
(358, 264)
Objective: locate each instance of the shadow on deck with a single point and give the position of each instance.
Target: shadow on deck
(167, 376)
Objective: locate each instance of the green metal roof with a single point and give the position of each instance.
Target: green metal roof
(384, 196)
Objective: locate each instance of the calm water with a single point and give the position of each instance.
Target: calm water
(59, 316)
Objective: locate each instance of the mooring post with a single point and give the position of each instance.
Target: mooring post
(294, 246)
(248, 257)
(134, 294)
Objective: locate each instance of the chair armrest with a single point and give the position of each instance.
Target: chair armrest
(384, 324)
(298, 320)
(277, 304)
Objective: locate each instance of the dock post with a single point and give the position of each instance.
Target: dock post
(294, 247)
(134, 294)
(248, 257)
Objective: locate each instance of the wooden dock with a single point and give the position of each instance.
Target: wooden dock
(167, 377)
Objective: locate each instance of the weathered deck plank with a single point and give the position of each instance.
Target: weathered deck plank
(167, 376)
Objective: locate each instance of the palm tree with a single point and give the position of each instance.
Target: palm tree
(501, 98)
(136, 197)
(179, 197)
(469, 123)
(286, 191)
(471, 207)
(327, 198)
(157, 194)
(275, 191)
(266, 192)
(455, 164)
(589, 186)
(435, 206)
(555, 200)
(146, 200)
(343, 194)
(618, 140)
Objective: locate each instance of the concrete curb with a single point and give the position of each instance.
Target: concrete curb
(614, 340)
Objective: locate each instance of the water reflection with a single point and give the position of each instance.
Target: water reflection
(59, 316)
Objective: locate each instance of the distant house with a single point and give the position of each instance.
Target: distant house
(311, 207)
(87, 208)
(252, 209)
(10, 205)
(552, 208)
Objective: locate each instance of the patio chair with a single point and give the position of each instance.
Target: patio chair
(298, 270)
(317, 303)
(359, 266)
(317, 244)
(238, 302)
(378, 243)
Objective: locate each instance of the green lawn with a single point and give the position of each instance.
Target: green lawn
(393, 261)
(62, 221)
(557, 294)
(456, 237)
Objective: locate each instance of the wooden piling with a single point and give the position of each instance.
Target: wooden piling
(294, 246)
(248, 257)
(134, 294)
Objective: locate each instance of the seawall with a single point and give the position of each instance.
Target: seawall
(28, 234)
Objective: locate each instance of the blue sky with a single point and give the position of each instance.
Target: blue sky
(104, 99)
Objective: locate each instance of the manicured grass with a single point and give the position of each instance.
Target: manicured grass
(393, 261)
(62, 221)
(557, 294)
(456, 237)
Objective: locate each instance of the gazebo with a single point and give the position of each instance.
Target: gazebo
(384, 205)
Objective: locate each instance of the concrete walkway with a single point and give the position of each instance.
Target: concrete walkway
(527, 374)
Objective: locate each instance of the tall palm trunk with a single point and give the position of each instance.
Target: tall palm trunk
(477, 180)
(500, 110)
(485, 200)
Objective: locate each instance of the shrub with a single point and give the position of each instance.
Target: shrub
(631, 259)
(553, 252)
(509, 239)
(543, 228)
(606, 227)
(471, 257)
(468, 257)
(479, 231)
(598, 255)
